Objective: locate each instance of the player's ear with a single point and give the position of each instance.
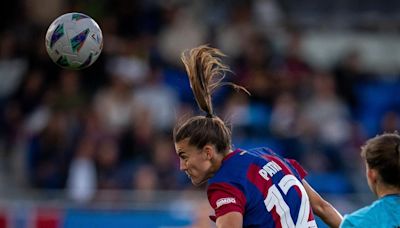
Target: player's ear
(372, 175)
(208, 151)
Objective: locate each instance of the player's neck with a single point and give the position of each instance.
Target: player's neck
(384, 190)
(216, 162)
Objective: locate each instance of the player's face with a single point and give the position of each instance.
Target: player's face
(194, 162)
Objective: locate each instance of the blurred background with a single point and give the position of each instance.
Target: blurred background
(93, 148)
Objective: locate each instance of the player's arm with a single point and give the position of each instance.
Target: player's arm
(230, 220)
(228, 203)
(322, 208)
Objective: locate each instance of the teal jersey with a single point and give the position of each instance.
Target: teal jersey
(384, 212)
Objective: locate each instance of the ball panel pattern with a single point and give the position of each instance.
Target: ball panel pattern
(78, 41)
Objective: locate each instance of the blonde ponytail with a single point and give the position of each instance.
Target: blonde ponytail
(206, 73)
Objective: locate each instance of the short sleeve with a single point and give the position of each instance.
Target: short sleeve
(346, 223)
(300, 170)
(225, 198)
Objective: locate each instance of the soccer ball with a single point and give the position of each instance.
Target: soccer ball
(74, 41)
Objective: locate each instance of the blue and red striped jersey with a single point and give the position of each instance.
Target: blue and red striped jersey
(264, 187)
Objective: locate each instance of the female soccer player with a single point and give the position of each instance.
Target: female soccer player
(246, 188)
(382, 158)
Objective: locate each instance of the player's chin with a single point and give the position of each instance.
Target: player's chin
(198, 182)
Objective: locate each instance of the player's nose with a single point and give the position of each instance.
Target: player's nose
(182, 165)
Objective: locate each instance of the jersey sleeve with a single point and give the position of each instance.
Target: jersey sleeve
(225, 198)
(300, 170)
(346, 223)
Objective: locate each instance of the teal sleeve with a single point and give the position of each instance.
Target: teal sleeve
(346, 223)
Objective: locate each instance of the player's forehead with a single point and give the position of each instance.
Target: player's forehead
(183, 146)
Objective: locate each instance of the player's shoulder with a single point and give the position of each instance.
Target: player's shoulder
(356, 219)
(232, 168)
(261, 151)
(267, 153)
(363, 217)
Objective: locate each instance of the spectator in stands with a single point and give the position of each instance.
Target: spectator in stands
(107, 165)
(114, 104)
(82, 175)
(48, 153)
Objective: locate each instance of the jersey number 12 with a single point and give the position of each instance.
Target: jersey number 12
(274, 199)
